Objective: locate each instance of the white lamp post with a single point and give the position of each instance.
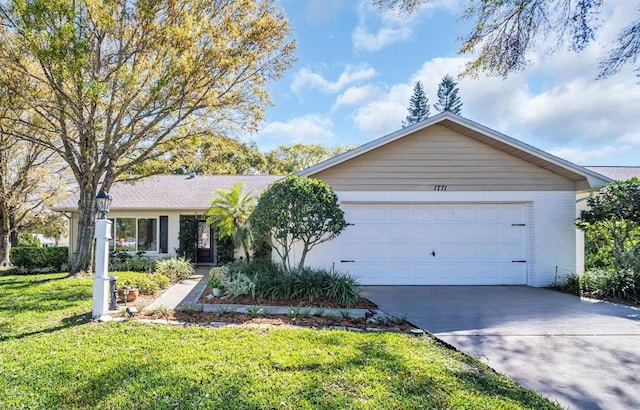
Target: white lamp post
(101, 286)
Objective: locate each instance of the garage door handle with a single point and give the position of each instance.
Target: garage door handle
(347, 261)
(520, 261)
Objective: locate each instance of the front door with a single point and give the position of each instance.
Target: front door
(206, 244)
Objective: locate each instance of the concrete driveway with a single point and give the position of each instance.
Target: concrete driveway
(584, 354)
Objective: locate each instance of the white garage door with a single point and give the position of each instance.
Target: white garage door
(434, 244)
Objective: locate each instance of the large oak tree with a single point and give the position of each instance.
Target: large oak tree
(115, 82)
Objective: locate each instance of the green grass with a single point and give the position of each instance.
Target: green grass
(56, 360)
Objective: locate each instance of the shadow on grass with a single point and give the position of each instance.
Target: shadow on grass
(75, 320)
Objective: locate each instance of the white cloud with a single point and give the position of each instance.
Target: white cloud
(586, 157)
(363, 39)
(351, 74)
(385, 114)
(355, 95)
(309, 129)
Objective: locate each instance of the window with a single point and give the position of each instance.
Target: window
(135, 234)
(147, 234)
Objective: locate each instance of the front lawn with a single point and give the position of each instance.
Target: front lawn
(56, 358)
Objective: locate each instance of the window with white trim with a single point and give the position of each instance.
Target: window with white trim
(134, 234)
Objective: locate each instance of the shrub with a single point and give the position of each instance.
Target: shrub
(188, 238)
(220, 272)
(272, 282)
(605, 283)
(175, 268)
(343, 289)
(215, 282)
(40, 258)
(151, 283)
(240, 284)
(147, 283)
(123, 261)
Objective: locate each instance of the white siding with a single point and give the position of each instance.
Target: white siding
(551, 229)
(173, 228)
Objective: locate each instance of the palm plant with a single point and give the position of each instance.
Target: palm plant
(230, 212)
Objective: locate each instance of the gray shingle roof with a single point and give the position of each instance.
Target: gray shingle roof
(175, 192)
(617, 173)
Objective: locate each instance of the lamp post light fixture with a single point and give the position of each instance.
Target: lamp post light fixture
(101, 282)
(103, 201)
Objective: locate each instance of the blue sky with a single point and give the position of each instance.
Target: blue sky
(357, 66)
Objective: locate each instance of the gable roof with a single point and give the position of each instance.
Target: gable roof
(173, 192)
(585, 179)
(617, 173)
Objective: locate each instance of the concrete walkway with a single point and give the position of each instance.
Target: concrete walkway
(585, 354)
(184, 292)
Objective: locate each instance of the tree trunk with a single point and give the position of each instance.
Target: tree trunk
(86, 230)
(245, 247)
(5, 246)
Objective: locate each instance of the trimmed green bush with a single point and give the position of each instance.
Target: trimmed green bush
(175, 268)
(40, 258)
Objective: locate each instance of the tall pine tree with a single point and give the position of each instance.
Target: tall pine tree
(448, 99)
(418, 106)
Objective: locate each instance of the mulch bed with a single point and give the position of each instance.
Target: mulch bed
(248, 300)
(277, 320)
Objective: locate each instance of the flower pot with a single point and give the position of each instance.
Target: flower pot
(217, 291)
(133, 294)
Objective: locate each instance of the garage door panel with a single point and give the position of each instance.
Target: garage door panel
(473, 243)
(420, 214)
(466, 214)
(444, 213)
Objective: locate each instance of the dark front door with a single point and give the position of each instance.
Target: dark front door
(206, 244)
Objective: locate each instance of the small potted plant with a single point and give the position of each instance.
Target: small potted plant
(216, 286)
(128, 292)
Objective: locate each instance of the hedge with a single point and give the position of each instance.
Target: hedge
(37, 258)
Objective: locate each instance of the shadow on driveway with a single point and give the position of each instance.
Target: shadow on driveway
(583, 353)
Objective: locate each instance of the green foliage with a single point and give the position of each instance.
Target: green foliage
(269, 281)
(39, 258)
(297, 210)
(188, 238)
(229, 213)
(418, 106)
(151, 283)
(343, 289)
(123, 261)
(147, 283)
(605, 283)
(254, 311)
(240, 284)
(175, 268)
(612, 223)
(225, 250)
(215, 282)
(287, 159)
(448, 99)
(598, 246)
(27, 240)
